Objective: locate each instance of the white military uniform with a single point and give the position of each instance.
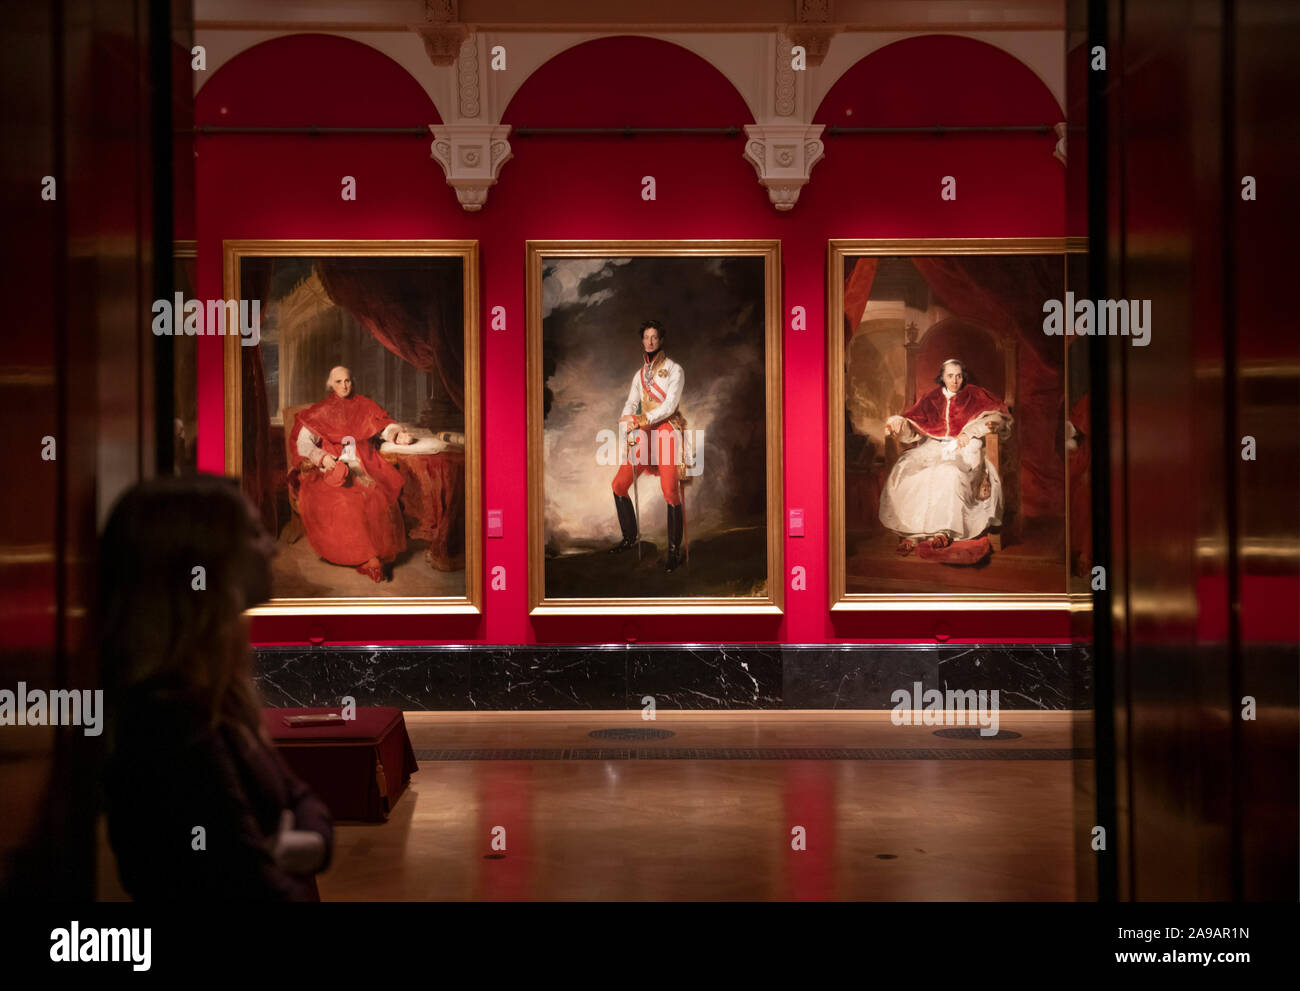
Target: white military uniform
(654, 397)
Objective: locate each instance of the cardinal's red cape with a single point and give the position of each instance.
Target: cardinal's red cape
(934, 416)
(360, 520)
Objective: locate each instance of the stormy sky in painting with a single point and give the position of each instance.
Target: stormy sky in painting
(713, 311)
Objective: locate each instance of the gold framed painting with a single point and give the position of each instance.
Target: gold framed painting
(956, 426)
(654, 427)
(352, 419)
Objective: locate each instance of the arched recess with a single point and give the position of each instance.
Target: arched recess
(627, 81)
(732, 55)
(321, 79)
(938, 79)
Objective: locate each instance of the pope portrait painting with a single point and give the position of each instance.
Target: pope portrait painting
(944, 489)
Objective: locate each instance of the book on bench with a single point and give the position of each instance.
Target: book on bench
(314, 719)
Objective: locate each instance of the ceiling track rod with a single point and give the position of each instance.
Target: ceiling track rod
(311, 130)
(942, 129)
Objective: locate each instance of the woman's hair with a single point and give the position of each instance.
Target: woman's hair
(165, 627)
(966, 378)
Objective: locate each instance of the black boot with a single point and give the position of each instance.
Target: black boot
(627, 521)
(674, 538)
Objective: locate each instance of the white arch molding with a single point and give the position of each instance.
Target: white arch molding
(403, 47)
(782, 143)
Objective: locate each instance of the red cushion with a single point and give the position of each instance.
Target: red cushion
(959, 552)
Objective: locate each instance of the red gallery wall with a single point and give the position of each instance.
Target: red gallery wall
(556, 188)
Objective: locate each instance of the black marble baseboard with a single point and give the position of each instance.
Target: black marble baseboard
(716, 676)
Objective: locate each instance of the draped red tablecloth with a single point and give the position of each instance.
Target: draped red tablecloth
(433, 500)
(359, 768)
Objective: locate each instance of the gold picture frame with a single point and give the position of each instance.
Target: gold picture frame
(773, 600)
(233, 252)
(841, 600)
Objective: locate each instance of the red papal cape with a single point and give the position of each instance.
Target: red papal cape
(935, 416)
(352, 523)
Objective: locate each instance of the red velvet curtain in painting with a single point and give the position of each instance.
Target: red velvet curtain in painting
(1007, 291)
(410, 306)
(258, 461)
(857, 290)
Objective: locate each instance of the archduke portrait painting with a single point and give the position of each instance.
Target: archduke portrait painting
(654, 403)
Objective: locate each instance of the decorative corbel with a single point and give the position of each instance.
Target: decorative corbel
(783, 155)
(471, 154)
(1059, 152)
(814, 29)
(441, 32)
(783, 147)
(471, 148)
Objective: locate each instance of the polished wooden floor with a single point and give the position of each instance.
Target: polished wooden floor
(700, 830)
(948, 830)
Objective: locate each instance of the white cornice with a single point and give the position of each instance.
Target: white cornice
(632, 15)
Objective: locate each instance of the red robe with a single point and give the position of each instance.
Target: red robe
(927, 413)
(352, 523)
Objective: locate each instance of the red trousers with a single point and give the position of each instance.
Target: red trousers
(667, 456)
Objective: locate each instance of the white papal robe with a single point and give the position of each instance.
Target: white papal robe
(934, 487)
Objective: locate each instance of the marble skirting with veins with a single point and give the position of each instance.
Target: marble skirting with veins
(716, 676)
